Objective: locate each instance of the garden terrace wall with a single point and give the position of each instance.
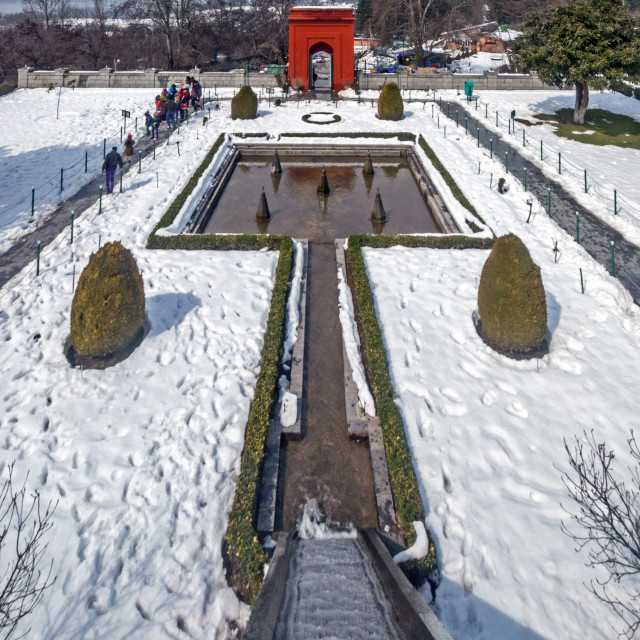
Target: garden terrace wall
(151, 78)
(489, 80)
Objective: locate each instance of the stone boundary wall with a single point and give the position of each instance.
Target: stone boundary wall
(151, 78)
(489, 80)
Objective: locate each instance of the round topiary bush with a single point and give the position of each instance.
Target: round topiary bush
(244, 105)
(512, 307)
(108, 307)
(390, 105)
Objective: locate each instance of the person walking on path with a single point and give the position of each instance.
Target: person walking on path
(109, 166)
(171, 107)
(128, 148)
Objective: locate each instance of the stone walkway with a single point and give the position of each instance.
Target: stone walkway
(595, 235)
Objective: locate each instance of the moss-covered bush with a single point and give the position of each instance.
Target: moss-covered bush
(390, 105)
(108, 307)
(244, 105)
(511, 301)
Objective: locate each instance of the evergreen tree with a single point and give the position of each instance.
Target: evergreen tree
(587, 43)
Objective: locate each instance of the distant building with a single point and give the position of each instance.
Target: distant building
(489, 44)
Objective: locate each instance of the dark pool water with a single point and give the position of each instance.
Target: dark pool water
(297, 210)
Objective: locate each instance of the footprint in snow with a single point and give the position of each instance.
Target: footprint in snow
(447, 478)
(516, 408)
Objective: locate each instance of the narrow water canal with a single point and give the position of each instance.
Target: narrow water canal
(325, 464)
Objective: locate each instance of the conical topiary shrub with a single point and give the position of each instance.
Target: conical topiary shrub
(244, 104)
(108, 307)
(390, 105)
(511, 303)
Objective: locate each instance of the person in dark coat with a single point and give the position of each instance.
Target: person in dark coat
(109, 166)
(171, 108)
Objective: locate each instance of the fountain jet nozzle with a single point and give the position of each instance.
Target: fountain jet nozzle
(368, 166)
(262, 212)
(323, 187)
(378, 209)
(275, 165)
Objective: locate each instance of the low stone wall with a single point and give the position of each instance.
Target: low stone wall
(489, 80)
(151, 78)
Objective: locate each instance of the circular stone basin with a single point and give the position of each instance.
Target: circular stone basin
(321, 117)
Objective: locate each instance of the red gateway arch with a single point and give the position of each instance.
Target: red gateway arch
(321, 47)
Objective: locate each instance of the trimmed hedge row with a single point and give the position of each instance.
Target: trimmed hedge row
(403, 136)
(243, 547)
(448, 178)
(176, 205)
(404, 483)
(244, 552)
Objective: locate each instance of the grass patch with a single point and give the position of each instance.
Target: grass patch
(6, 88)
(404, 483)
(451, 183)
(601, 128)
(244, 554)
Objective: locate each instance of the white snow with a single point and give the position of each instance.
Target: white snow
(608, 168)
(36, 146)
(351, 341)
(419, 549)
(137, 533)
(479, 62)
(289, 409)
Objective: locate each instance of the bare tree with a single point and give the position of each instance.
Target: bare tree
(23, 525)
(46, 10)
(608, 515)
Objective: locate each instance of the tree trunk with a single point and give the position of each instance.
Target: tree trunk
(582, 102)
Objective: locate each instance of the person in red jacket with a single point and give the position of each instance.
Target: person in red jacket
(184, 96)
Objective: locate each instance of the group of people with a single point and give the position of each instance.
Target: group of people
(173, 103)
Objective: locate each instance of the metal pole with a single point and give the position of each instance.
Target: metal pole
(525, 178)
(585, 181)
(524, 141)
(456, 117)
(86, 158)
(577, 227)
(100, 202)
(497, 119)
(486, 110)
(466, 126)
(549, 201)
(509, 126)
(104, 148)
(478, 136)
(615, 202)
(506, 162)
(121, 180)
(72, 215)
(613, 259)
(121, 133)
(559, 163)
(581, 280)
(139, 162)
(541, 153)
(38, 259)
(154, 148)
(61, 179)
(33, 201)
(136, 123)
(491, 146)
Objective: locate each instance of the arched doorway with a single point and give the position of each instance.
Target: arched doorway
(321, 66)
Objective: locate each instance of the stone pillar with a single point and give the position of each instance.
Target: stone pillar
(105, 77)
(23, 77)
(150, 78)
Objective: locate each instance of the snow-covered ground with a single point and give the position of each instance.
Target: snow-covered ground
(143, 456)
(608, 168)
(479, 62)
(36, 145)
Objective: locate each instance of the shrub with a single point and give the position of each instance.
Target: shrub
(390, 105)
(511, 300)
(636, 93)
(107, 311)
(244, 105)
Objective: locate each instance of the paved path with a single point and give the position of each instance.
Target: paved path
(595, 235)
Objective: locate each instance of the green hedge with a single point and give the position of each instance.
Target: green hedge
(176, 205)
(243, 547)
(404, 483)
(245, 554)
(403, 136)
(448, 178)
